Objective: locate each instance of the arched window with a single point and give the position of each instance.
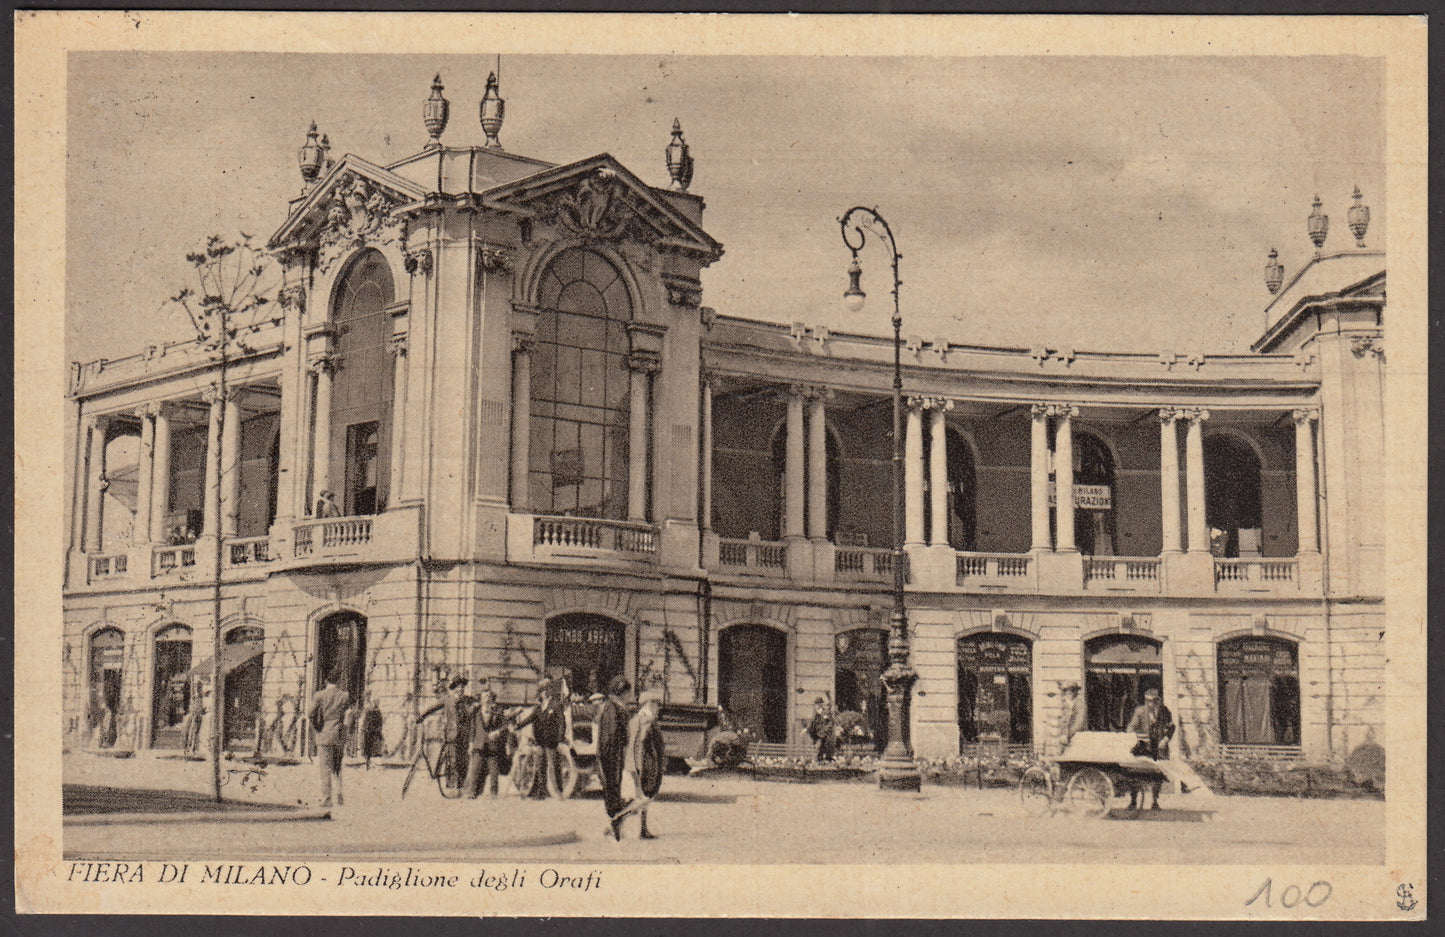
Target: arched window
(341, 653)
(995, 689)
(1094, 503)
(107, 660)
(1231, 495)
(243, 659)
(1259, 696)
(860, 657)
(1118, 668)
(585, 650)
(120, 486)
(361, 390)
(962, 493)
(580, 385)
(170, 687)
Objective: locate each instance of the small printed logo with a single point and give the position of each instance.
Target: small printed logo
(1406, 900)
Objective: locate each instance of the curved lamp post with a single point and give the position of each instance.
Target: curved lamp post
(897, 770)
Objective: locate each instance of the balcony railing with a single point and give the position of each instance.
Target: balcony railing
(170, 559)
(755, 555)
(585, 533)
(248, 551)
(1002, 568)
(1257, 573)
(331, 534)
(1124, 570)
(863, 563)
(105, 567)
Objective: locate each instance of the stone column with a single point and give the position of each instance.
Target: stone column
(705, 469)
(141, 530)
(209, 522)
(1039, 474)
(1306, 497)
(322, 366)
(913, 473)
(1064, 477)
(637, 449)
(231, 464)
(1169, 478)
(521, 421)
(398, 417)
(95, 483)
(938, 471)
(1194, 480)
(817, 464)
(793, 486)
(160, 491)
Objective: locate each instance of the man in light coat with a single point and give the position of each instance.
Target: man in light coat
(328, 719)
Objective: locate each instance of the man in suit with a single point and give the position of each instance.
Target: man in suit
(612, 716)
(455, 708)
(328, 718)
(1153, 723)
(488, 745)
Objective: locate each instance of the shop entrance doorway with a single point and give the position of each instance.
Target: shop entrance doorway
(753, 679)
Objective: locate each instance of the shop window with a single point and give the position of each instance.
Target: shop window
(107, 657)
(995, 689)
(580, 389)
(1259, 693)
(1117, 671)
(243, 661)
(585, 650)
(860, 657)
(171, 687)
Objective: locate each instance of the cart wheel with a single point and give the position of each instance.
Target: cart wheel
(449, 773)
(1090, 792)
(524, 770)
(567, 767)
(1036, 790)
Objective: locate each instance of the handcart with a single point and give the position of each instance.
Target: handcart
(1094, 769)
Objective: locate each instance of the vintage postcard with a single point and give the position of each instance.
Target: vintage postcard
(732, 466)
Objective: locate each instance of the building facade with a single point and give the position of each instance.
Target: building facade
(492, 430)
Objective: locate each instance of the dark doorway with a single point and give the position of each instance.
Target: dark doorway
(341, 651)
(995, 689)
(962, 511)
(243, 659)
(107, 656)
(753, 679)
(860, 658)
(171, 687)
(586, 650)
(1231, 495)
(1117, 671)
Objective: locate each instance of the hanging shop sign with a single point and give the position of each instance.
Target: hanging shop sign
(1087, 497)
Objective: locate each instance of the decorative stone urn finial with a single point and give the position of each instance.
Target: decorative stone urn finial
(1359, 218)
(493, 110)
(434, 113)
(1319, 225)
(310, 158)
(1273, 272)
(679, 160)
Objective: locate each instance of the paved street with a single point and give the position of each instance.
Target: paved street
(715, 818)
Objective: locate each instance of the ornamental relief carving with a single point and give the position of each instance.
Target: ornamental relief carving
(358, 213)
(598, 208)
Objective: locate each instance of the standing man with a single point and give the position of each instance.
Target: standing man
(1153, 723)
(822, 730)
(548, 720)
(488, 744)
(612, 718)
(1076, 715)
(453, 707)
(328, 718)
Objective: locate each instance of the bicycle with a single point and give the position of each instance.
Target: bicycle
(439, 758)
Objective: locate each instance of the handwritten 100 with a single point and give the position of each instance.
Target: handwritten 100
(1314, 896)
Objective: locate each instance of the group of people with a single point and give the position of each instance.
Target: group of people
(1151, 723)
(828, 728)
(480, 734)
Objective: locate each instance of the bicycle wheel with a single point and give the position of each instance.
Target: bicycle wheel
(567, 768)
(449, 772)
(416, 763)
(1090, 792)
(1036, 790)
(524, 771)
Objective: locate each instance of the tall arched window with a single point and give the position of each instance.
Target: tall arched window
(1231, 495)
(361, 391)
(995, 689)
(1118, 668)
(1094, 507)
(580, 382)
(1259, 698)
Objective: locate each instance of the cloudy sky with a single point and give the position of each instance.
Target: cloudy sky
(1096, 203)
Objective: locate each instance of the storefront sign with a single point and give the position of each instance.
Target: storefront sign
(1087, 497)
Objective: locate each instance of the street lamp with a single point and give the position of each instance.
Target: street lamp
(896, 772)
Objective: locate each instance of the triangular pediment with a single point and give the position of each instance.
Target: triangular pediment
(351, 202)
(1373, 287)
(600, 198)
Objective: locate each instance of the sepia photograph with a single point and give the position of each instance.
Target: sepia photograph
(501, 471)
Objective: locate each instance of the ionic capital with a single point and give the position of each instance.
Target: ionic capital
(1039, 411)
(214, 394)
(1170, 415)
(522, 343)
(1064, 411)
(321, 363)
(1193, 415)
(1306, 415)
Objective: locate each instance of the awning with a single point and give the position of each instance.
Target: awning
(232, 656)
